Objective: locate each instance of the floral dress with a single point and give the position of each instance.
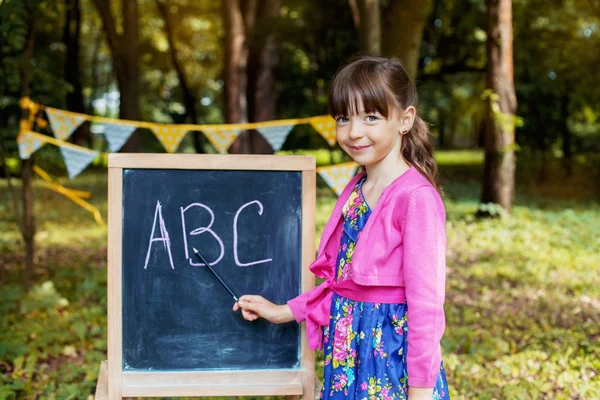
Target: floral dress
(365, 343)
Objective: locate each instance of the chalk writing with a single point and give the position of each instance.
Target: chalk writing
(235, 236)
(164, 235)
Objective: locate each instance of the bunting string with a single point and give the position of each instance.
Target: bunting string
(117, 131)
(76, 196)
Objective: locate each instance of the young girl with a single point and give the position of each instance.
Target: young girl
(382, 251)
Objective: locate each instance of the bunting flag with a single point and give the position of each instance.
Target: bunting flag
(77, 159)
(337, 176)
(63, 123)
(221, 138)
(275, 135)
(116, 135)
(169, 135)
(29, 144)
(325, 125)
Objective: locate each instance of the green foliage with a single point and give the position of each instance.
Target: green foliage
(13, 32)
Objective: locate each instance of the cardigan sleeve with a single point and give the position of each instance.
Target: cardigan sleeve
(424, 265)
(298, 304)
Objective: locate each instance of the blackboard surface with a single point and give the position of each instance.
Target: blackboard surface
(176, 316)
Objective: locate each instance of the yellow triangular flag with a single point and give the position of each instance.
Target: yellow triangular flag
(337, 176)
(325, 125)
(170, 136)
(221, 138)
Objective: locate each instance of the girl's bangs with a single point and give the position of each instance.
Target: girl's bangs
(351, 90)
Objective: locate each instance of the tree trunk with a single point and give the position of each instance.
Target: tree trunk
(234, 73)
(28, 225)
(262, 60)
(566, 135)
(189, 99)
(369, 30)
(250, 60)
(442, 129)
(403, 30)
(71, 34)
(95, 75)
(236, 59)
(124, 50)
(499, 169)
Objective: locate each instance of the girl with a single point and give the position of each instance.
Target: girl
(388, 233)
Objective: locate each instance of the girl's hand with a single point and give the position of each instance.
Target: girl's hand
(254, 307)
(420, 393)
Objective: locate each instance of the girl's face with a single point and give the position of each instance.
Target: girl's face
(370, 138)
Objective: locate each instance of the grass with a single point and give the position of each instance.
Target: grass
(522, 306)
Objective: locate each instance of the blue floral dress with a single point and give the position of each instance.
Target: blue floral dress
(365, 343)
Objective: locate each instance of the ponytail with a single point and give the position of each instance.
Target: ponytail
(417, 151)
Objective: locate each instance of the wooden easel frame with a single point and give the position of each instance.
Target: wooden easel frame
(204, 383)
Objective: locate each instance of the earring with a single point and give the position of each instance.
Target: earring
(404, 131)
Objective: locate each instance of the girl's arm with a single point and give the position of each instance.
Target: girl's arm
(419, 393)
(424, 264)
(296, 307)
(254, 307)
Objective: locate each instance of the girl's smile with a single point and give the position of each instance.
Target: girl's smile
(358, 148)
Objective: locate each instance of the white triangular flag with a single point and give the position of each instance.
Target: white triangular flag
(63, 123)
(29, 144)
(77, 160)
(117, 135)
(337, 176)
(275, 135)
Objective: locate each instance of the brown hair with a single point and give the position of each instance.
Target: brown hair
(384, 86)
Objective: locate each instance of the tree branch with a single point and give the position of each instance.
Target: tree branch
(108, 21)
(355, 13)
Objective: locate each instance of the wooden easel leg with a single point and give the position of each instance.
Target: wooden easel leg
(316, 394)
(318, 387)
(102, 383)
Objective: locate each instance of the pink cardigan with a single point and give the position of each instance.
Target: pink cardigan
(400, 256)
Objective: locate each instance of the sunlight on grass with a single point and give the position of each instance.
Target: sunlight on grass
(448, 158)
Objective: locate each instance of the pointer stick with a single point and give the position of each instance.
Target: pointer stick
(218, 277)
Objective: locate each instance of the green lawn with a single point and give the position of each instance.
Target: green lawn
(523, 292)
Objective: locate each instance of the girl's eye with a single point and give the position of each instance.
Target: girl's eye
(342, 120)
(372, 118)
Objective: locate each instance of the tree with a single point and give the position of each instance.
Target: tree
(124, 48)
(189, 97)
(262, 60)
(499, 168)
(19, 31)
(555, 70)
(402, 32)
(250, 58)
(236, 60)
(366, 15)
(72, 75)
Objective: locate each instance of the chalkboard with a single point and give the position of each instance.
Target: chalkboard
(247, 225)
(172, 330)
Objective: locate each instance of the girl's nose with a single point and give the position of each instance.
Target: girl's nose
(355, 131)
